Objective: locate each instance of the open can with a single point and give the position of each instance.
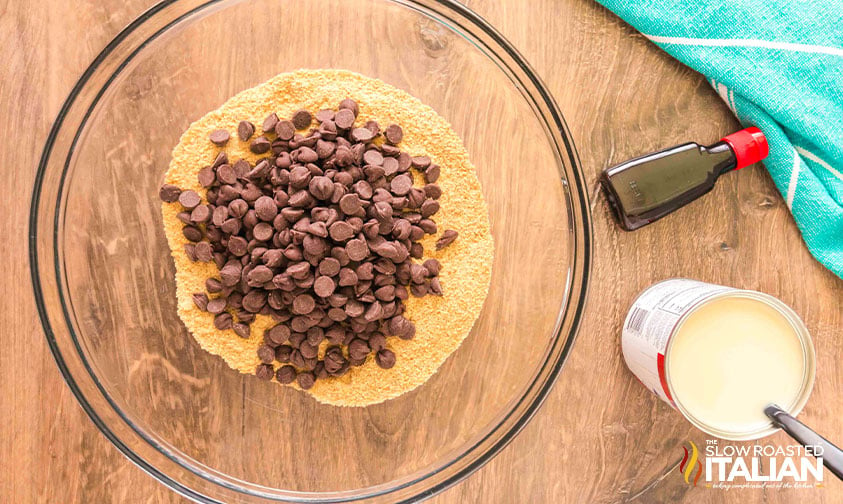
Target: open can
(657, 315)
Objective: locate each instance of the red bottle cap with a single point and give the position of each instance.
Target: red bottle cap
(749, 145)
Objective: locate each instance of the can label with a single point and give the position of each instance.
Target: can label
(652, 321)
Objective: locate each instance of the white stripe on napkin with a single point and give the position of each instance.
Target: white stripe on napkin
(813, 157)
(794, 178)
(766, 44)
(725, 93)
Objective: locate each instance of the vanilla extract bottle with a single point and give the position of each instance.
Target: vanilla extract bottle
(647, 188)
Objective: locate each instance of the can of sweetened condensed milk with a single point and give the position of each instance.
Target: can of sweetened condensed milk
(719, 355)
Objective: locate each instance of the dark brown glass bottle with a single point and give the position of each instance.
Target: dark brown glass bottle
(649, 187)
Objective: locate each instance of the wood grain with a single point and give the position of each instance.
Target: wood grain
(600, 437)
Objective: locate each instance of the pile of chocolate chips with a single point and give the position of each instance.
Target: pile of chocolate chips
(320, 234)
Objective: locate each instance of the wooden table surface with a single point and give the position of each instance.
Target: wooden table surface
(600, 436)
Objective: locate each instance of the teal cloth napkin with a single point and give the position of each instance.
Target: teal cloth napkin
(778, 64)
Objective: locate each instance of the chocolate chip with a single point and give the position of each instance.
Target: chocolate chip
(306, 155)
(189, 199)
(401, 184)
(169, 193)
(446, 239)
(315, 335)
(204, 252)
(385, 293)
(341, 231)
(297, 338)
(223, 321)
(347, 278)
(362, 135)
(334, 360)
(219, 137)
(308, 350)
(265, 208)
(385, 358)
(279, 334)
(296, 358)
(428, 226)
(302, 119)
(254, 300)
(264, 372)
(200, 214)
(432, 266)
(373, 126)
(394, 134)
(207, 177)
(324, 286)
(365, 271)
(216, 305)
(337, 314)
(357, 250)
(418, 273)
(242, 329)
(373, 157)
(245, 130)
(324, 149)
(285, 130)
(374, 312)
(344, 119)
(349, 104)
(390, 166)
(404, 162)
(266, 354)
(314, 246)
(418, 290)
(184, 217)
(399, 326)
(329, 267)
(192, 233)
(303, 304)
(231, 226)
(420, 162)
(238, 208)
(429, 208)
(259, 275)
(213, 285)
(431, 175)
(350, 204)
(286, 374)
(321, 188)
(358, 349)
(435, 287)
(325, 115)
(432, 191)
(270, 122)
(259, 145)
(283, 353)
(221, 159)
(306, 380)
(260, 171)
(237, 245)
(263, 231)
(200, 299)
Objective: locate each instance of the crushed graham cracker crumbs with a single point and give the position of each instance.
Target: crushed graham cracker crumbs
(442, 322)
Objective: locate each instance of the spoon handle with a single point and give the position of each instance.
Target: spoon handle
(832, 455)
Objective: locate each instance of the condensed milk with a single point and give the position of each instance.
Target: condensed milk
(719, 355)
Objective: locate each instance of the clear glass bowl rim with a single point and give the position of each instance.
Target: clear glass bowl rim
(495, 46)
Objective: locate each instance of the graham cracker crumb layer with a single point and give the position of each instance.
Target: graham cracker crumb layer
(442, 322)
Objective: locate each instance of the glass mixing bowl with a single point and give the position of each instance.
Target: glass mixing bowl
(103, 277)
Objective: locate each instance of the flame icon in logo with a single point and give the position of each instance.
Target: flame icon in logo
(687, 466)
